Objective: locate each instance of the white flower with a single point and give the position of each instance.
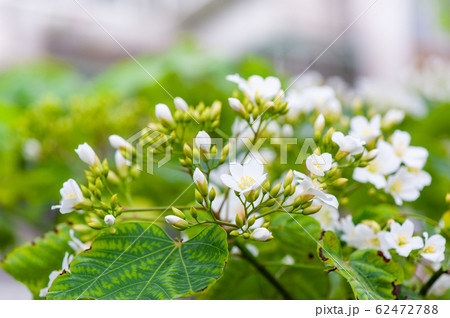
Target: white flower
(53, 275)
(118, 142)
(71, 195)
(306, 185)
(120, 160)
(232, 207)
(422, 178)
(287, 130)
(261, 234)
(402, 186)
(245, 178)
(319, 123)
(414, 157)
(351, 144)
(163, 113)
(365, 130)
(172, 219)
(386, 162)
(266, 88)
(31, 149)
(288, 260)
(362, 236)
(76, 244)
(180, 104)
(393, 117)
(235, 104)
(203, 141)
(322, 98)
(199, 178)
(86, 154)
(318, 165)
(441, 285)
(327, 216)
(434, 248)
(109, 219)
(401, 238)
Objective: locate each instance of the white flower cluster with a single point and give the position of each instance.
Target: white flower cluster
(400, 162)
(400, 237)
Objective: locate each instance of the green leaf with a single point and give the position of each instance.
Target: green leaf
(370, 275)
(141, 262)
(32, 263)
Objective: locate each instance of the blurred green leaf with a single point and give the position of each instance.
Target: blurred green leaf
(32, 263)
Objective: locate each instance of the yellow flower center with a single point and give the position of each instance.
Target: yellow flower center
(317, 166)
(429, 249)
(372, 168)
(402, 240)
(397, 186)
(70, 196)
(246, 182)
(367, 131)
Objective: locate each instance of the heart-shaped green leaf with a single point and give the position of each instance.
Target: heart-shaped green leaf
(143, 262)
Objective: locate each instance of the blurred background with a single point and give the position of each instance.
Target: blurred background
(75, 70)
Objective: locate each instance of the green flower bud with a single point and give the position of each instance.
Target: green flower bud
(193, 212)
(114, 202)
(224, 153)
(275, 190)
(339, 182)
(246, 235)
(212, 194)
(181, 225)
(288, 179)
(198, 197)
(287, 191)
(239, 221)
(266, 186)
(312, 209)
(187, 151)
(178, 212)
(251, 220)
(234, 233)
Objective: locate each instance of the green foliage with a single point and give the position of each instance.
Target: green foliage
(32, 263)
(143, 262)
(370, 275)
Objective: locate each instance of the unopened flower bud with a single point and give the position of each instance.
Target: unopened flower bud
(187, 151)
(275, 190)
(163, 114)
(193, 212)
(370, 155)
(235, 104)
(339, 182)
(212, 194)
(203, 141)
(201, 182)
(319, 125)
(114, 201)
(198, 197)
(180, 104)
(109, 219)
(312, 209)
(178, 212)
(87, 154)
(239, 222)
(234, 233)
(251, 220)
(372, 224)
(288, 179)
(261, 234)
